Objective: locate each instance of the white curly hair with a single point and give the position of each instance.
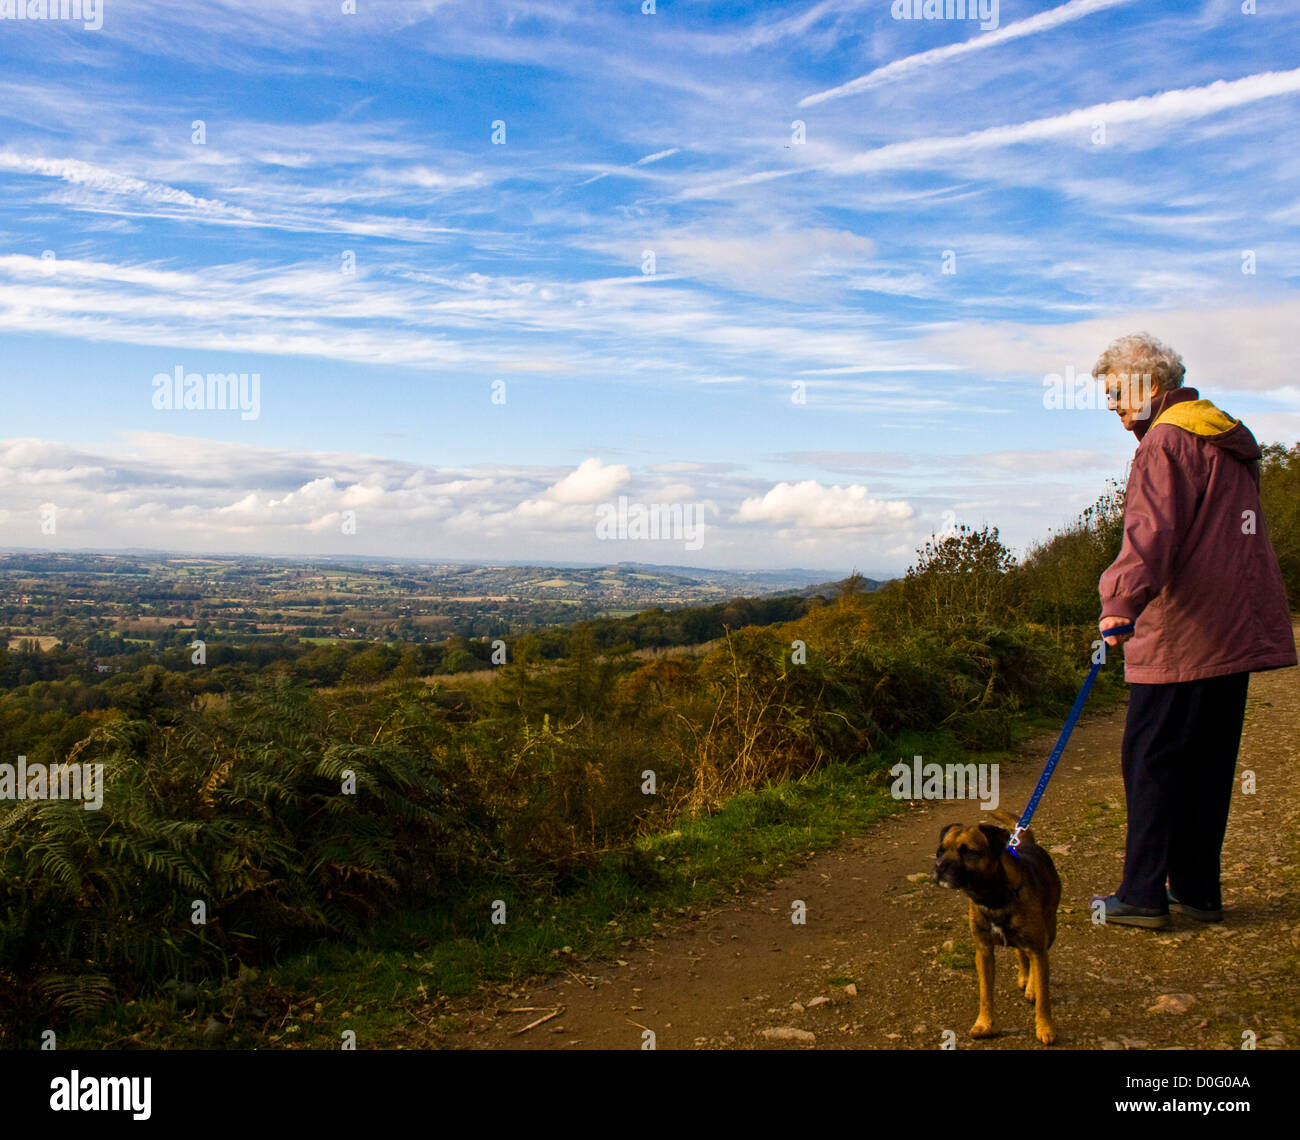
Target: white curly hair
(1142, 355)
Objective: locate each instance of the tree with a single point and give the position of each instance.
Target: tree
(959, 576)
(1279, 493)
(1057, 582)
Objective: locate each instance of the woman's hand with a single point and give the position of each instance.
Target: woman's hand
(1110, 623)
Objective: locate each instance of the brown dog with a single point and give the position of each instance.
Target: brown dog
(1013, 901)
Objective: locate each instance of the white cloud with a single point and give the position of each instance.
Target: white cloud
(592, 482)
(1275, 427)
(670, 493)
(813, 505)
(1247, 346)
(1040, 461)
(778, 264)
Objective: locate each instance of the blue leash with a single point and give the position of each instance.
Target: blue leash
(1058, 751)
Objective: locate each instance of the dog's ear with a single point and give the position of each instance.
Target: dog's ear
(943, 834)
(997, 838)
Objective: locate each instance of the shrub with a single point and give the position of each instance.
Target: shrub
(242, 809)
(956, 577)
(1279, 492)
(1056, 584)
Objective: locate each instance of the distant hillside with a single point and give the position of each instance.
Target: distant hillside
(113, 605)
(138, 560)
(786, 580)
(835, 589)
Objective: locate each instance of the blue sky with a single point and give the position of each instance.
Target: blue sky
(1088, 169)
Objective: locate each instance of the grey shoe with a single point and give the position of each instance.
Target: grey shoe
(1209, 914)
(1121, 914)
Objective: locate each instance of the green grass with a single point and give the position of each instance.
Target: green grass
(960, 957)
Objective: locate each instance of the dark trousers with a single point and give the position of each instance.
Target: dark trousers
(1180, 761)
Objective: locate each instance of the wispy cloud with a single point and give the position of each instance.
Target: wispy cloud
(1034, 25)
(1165, 108)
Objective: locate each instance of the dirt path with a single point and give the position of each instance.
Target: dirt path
(876, 920)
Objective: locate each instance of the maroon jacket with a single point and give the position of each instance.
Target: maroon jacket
(1196, 569)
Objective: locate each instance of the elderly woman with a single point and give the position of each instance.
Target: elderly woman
(1198, 575)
